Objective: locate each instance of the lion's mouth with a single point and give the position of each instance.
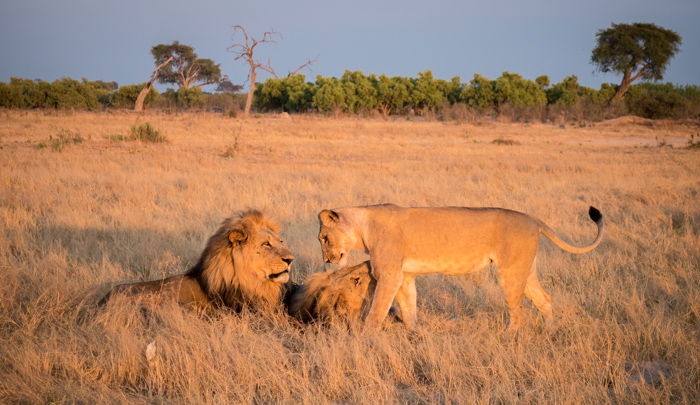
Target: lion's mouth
(275, 276)
(336, 259)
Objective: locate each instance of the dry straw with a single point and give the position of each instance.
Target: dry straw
(104, 211)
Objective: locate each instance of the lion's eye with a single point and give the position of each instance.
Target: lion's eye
(266, 244)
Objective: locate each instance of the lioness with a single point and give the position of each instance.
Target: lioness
(243, 264)
(405, 242)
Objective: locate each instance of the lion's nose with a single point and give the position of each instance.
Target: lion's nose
(288, 260)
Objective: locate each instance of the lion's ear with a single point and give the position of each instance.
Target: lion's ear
(328, 217)
(238, 236)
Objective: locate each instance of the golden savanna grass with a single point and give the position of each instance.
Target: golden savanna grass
(105, 209)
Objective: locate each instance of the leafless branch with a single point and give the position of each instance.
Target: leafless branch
(307, 64)
(268, 68)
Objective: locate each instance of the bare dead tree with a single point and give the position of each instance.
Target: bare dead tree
(245, 50)
(147, 88)
(301, 67)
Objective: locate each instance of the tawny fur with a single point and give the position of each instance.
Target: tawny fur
(244, 264)
(405, 242)
(343, 295)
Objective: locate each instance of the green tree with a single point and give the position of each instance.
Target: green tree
(542, 81)
(426, 93)
(360, 93)
(452, 89)
(329, 95)
(565, 93)
(184, 69)
(392, 93)
(291, 94)
(513, 89)
(479, 93)
(25, 93)
(639, 50)
(72, 94)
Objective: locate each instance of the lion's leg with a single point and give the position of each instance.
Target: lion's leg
(513, 279)
(389, 279)
(406, 298)
(535, 293)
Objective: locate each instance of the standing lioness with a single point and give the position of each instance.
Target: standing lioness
(405, 242)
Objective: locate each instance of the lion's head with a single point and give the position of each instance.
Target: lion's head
(344, 294)
(336, 236)
(245, 263)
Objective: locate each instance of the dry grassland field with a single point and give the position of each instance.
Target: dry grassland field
(82, 206)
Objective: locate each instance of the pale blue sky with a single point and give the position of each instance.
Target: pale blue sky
(111, 40)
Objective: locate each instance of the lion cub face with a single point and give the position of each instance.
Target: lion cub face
(264, 252)
(336, 238)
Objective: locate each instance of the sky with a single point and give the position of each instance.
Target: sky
(111, 40)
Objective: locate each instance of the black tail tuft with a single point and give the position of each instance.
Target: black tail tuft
(595, 214)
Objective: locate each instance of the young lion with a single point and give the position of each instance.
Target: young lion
(405, 242)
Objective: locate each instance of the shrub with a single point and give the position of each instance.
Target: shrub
(289, 94)
(63, 138)
(146, 133)
(125, 96)
(656, 101)
(480, 93)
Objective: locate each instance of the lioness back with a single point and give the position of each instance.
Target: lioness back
(454, 240)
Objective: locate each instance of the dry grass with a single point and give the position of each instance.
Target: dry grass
(108, 209)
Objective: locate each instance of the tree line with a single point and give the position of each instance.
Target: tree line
(510, 96)
(71, 94)
(636, 51)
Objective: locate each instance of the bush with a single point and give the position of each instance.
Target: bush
(146, 133)
(513, 90)
(125, 96)
(182, 98)
(63, 138)
(290, 94)
(656, 101)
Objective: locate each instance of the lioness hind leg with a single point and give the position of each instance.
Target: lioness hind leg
(513, 279)
(406, 298)
(535, 293)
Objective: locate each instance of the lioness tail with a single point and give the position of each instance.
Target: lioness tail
(595, 215)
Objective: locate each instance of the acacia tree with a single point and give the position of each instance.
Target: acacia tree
(185, 69)
(639, 50)
(138, 106)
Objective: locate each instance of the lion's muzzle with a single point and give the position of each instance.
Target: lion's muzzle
(281, 277)
(335, 259)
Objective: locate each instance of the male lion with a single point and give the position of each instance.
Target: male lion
(405, 242)
(244, 264)
(343, 294)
